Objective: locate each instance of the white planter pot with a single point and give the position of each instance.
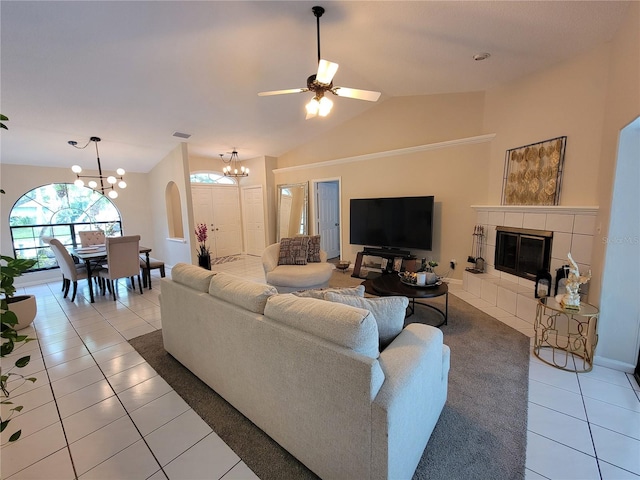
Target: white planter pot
(25, 308)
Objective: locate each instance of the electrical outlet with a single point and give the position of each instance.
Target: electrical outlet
(452, 264)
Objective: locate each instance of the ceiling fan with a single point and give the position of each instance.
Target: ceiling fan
(322, 82)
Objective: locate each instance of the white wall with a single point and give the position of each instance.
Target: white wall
(172, 168)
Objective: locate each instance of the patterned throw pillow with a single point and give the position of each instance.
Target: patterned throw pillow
(293, 251)
(314, 249)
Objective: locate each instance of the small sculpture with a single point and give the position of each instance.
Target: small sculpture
(571, 299)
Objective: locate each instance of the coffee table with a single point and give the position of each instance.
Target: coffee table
(390, 285)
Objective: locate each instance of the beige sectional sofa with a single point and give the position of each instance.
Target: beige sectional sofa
(308, 372)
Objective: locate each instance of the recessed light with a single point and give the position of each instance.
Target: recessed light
(481, 56)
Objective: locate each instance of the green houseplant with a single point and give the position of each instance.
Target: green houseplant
(10, 268)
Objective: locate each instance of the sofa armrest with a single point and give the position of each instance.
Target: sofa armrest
(270, 257)
(408, 405)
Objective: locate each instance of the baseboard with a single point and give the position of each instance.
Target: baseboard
(613, 364)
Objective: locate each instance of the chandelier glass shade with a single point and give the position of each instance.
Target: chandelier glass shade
(231, 168)
(99, 183)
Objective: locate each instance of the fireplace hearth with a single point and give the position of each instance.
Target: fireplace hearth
(523, 252)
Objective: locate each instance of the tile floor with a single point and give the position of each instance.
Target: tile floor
(97, 410)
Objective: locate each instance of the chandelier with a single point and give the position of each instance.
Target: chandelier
(231, 170)
(110, 179)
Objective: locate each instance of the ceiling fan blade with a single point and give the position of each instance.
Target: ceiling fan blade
(326, 71)
(367, 95)
(282, 92)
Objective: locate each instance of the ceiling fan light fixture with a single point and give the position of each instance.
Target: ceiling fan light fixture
(325, 106)
(313, 106)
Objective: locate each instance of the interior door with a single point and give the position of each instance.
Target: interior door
(227, 220)
(253, 209)
(203, 213)
(328, 211)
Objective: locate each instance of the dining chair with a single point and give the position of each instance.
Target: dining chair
(70, 271)
(146, 272)
(91, 237)
(122, 261)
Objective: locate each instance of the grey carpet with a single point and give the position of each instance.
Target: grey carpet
(481, 433)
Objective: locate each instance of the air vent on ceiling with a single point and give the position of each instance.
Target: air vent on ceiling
(181, 135)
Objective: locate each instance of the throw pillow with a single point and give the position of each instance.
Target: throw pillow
(313, 255)
(319, 293)
(293, 251)
(389, 313)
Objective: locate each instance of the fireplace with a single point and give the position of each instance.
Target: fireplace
(523, 252)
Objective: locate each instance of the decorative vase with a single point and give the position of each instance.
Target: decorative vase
(25, 308)
(204, 261)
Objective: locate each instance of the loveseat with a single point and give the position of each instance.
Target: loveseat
(309, 373)
(294, 276)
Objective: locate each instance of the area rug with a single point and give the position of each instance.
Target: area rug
(220, 260)
(481, 432)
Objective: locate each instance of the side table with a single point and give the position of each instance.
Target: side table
(566, 335)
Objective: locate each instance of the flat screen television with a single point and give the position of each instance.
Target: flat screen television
(400, 222)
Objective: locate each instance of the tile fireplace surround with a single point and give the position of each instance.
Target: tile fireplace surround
(573, 229)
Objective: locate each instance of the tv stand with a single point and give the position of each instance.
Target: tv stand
(388, 253)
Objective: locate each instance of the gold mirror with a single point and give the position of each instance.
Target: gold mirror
(293, 210)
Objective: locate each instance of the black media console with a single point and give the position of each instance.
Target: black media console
(387, 253)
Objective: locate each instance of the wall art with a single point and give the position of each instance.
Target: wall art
(533, 173)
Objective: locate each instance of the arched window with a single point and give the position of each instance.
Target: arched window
(59, 210)
(211, 178)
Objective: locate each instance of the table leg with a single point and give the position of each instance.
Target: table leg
(87, 263)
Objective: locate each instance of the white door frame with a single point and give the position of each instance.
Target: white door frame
(314, 208)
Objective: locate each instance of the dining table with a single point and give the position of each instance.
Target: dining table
(95, 255)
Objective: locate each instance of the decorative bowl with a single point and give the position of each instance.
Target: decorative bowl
(343, 265)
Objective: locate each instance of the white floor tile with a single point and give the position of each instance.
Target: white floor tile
(92, 450)
(611, 472)
(607, 392)
(240, 471)
(144, 392)
(84, 398)
(109, 353)
(72, 366)
(37, 419)
(56, 466)
(561, 428)
(617, 449)
(30, 400)
(93, 418)
(31, 449)
(77, 381)
(556, 461)
(121, 363)
(557, 399)
(160, 411)
(134, 462)
(612, 417)
(544, 373)
(209, 458)
(184, 432)
(131, 376)
(65, 356)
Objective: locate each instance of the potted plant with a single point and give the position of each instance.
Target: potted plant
(204, 256)
(11, 320)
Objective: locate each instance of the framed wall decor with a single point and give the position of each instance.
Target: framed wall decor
(533, 173)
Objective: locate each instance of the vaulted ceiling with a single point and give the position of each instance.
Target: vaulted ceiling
(135, 72)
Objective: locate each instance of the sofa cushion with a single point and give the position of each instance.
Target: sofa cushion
(301, 277)
(320, 292)
(192, 276)
(251, 296)
(293, 251)
(352, 328)
(313, 253)
(389, 313)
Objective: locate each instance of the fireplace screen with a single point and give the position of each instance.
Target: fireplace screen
(523, 252)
